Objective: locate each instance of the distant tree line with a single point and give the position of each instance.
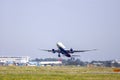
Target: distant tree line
(78, 62)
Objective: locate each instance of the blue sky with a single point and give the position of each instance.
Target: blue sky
(27, 25)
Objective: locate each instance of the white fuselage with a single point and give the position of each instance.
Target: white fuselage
(61, 47)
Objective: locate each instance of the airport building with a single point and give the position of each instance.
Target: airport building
(50, 63)
(45, 63)
(24, 59)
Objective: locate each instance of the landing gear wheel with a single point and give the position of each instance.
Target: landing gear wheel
(59, 55)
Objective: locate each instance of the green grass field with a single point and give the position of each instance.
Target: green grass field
(57, 73)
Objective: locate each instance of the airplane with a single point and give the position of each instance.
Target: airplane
(62, 49)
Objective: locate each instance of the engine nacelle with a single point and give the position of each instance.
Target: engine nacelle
(53, 50)
(71, 50)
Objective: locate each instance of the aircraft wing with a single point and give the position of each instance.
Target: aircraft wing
(73, 51)
(84, 50)
(52, 50)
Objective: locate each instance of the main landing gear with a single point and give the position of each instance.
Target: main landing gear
(59, 55)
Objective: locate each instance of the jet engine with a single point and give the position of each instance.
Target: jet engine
(71, 50)
(53, 50)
